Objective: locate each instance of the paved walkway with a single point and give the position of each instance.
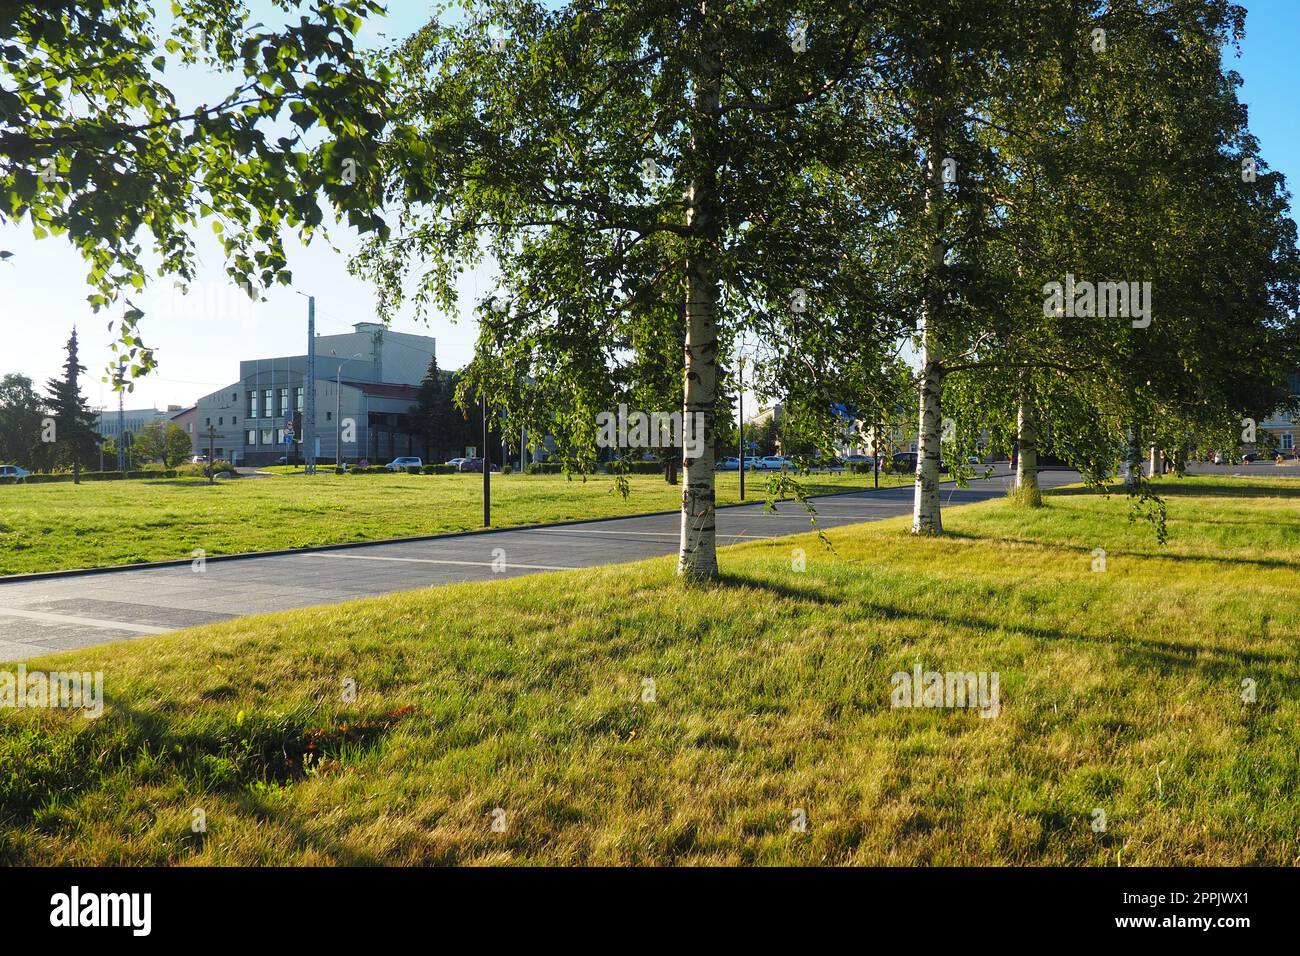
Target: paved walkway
(53, 614)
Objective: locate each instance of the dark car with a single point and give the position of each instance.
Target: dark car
(905, 461)
(474, 464)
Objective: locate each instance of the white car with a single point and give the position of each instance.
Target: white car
(401, 464)
(772, 463)
(13, 471)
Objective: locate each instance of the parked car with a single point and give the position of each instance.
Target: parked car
(198, 459)
(401, 464)
(13, 471)
(474, 464)
(1251, 458)
(771, 463)
(455, 463)
(905, 461)
(728, 464)
(857, 460)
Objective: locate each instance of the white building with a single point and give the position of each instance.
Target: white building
(366, 382)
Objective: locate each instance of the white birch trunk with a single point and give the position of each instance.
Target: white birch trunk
(1027, 444)
(926, 517)
(697, 558)
(1132, 470)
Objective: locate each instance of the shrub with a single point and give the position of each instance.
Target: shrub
(439, 469)
(543, 468)
(507, 469)
(413, 469)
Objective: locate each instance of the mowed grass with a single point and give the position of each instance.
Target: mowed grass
(527, 702)
(53, 527)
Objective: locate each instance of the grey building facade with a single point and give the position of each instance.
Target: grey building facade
(366, 382)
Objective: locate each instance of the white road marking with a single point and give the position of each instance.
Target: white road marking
(468, 564)
(653, 534)
(83, 621)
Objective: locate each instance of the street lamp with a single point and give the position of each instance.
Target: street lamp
(338, 405)
(740, 401)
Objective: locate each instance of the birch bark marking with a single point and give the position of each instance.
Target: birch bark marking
(697, 558)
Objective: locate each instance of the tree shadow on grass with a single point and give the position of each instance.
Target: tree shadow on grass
(1215, 660)
(132, 734)
(1086, 552)
(1175, 488)
(806, 594)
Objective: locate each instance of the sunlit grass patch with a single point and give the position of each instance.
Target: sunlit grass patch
(610, 716)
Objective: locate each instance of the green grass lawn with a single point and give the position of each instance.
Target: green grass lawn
(1120, 691)
(51, 527)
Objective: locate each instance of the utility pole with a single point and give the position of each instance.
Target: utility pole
(121, 417)
(309, 419)
(212, 437)
(487, 469)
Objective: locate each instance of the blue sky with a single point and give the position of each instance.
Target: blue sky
(200, 340)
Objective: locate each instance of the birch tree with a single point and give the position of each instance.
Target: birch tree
(617, 161)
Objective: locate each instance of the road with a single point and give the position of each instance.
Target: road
(86, 608)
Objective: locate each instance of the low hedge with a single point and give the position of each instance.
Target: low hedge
(91, 476)
(644, 468)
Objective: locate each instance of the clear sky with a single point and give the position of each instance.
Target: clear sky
(201, 339)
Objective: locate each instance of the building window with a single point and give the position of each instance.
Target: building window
(220, 452)
(235, 398)
(1287, 441)
(284, 401)
(266, 436)
(252, 437)
(297, 398)
(279, 437)
(268, 400)
(209, 422)
(252, 404)
(221, 420)
(329, 416)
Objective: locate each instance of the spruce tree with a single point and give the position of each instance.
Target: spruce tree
(74, 433)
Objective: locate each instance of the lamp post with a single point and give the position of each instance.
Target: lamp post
(212, 435)
(487, 469)
(338, 407)
(740, 401)
(309, 413)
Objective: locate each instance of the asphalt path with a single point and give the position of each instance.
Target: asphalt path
(38, 616)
